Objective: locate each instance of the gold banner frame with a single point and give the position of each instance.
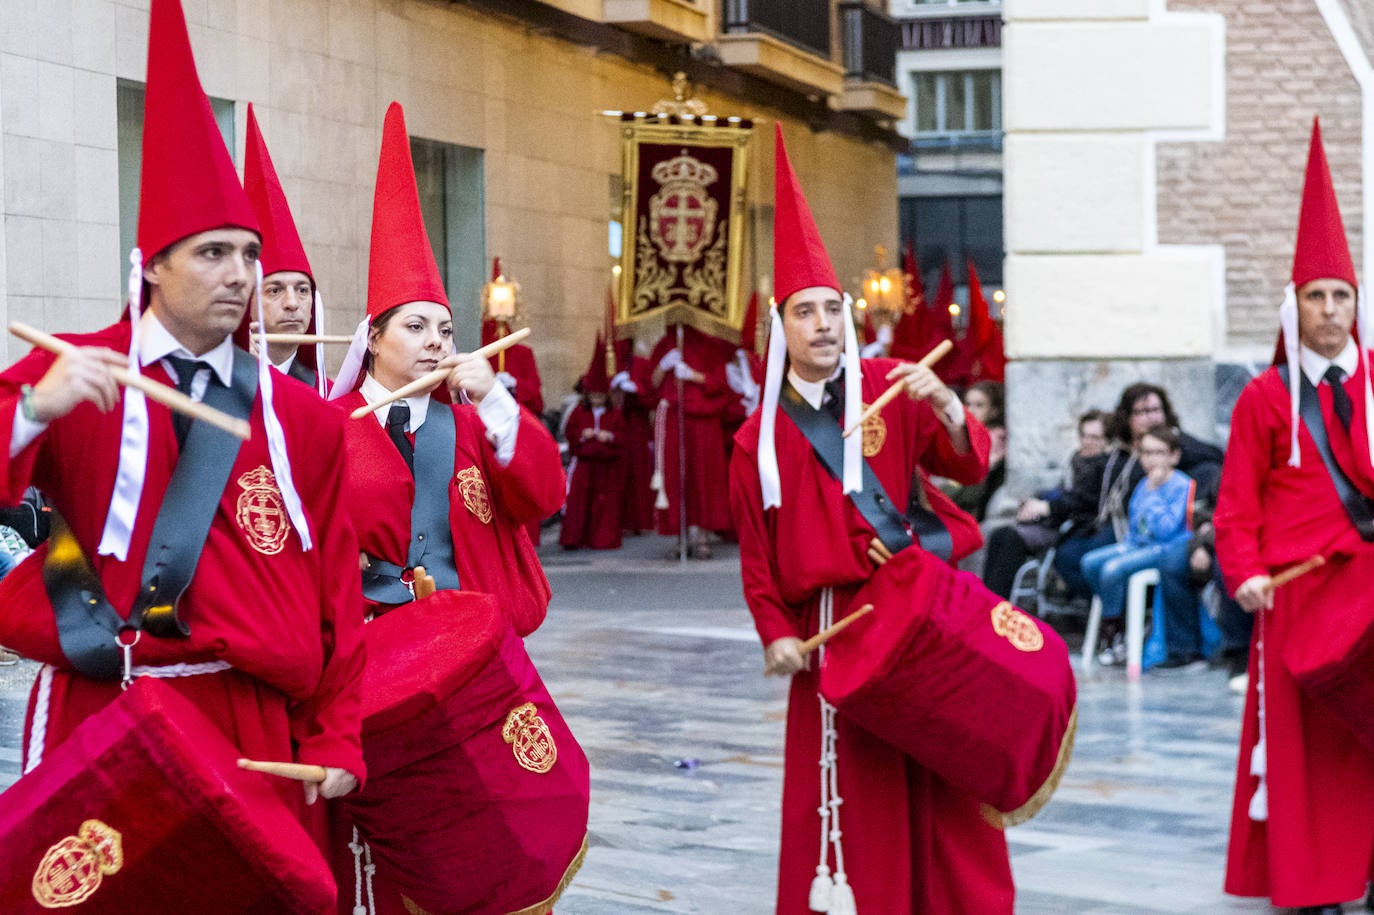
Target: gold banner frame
(632, 135)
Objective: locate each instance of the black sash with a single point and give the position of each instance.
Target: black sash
(86, 622)
(824, 435)
(1356, 504)
(431, 539)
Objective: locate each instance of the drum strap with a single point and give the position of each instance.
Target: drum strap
(431, 538)
(1356, 504)
(873, 504)
(86, 622)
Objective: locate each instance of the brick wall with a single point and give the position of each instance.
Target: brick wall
(1282, 67)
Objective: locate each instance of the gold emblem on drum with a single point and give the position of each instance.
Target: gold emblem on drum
(530, 739)
(73, 868)
(875, 433)
(1017, 628)
(261, 513)
(473, 488)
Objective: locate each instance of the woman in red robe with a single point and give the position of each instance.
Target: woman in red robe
(596, 486)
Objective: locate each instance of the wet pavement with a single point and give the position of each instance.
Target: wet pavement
(658, 670)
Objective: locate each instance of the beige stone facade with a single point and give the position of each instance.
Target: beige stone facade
(320, 74)
(1283, 67)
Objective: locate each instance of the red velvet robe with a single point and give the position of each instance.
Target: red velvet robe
(596, 490)
(912, 843)
(1318, 842)
(708, 507)
(518, 361)
(637, 512)
(287, 620)
(487, 510)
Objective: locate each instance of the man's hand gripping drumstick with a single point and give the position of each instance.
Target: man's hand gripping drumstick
(917, 379)
(94, 373)
(319, 781)
(459, 371)
(788, 655)
(1257, 592)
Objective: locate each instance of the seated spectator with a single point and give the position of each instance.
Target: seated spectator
(984, 402)
(22, 528)
(1160, 509)
(1188, 567)
(1040, 521)
(1141, 406)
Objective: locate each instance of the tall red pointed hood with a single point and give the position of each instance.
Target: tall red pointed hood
(596, 381)
(749, 333)
(401, 267)
(1322, 251)
(984, 339)
(799, 257)
(281, 243)
(188, 182)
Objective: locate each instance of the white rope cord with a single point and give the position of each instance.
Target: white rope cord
(363, 869)
(822, 886)
(170, 671)
(38, 734)
(1259, 756)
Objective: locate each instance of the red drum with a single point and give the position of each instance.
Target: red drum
(143, 809)
(477, 792)
(1331, 653)
(958, 679)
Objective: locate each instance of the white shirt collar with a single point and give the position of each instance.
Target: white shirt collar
(813, 392)
(1314, 365)
(373, 391)
(285, 367)
(156, 342)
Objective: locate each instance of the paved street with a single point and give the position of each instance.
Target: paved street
(658, 670)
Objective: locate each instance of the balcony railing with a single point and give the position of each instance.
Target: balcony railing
(954, 32)
(805, 23)
(871, 42)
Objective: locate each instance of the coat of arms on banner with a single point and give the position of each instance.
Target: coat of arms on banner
(683, 222)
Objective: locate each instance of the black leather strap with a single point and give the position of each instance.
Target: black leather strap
(824, 435)
(382, 583)
(1356, 504)
(86, 622)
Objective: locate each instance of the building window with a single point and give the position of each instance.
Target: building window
(129, 151)
(451, 183)
(958, 103)
(960, 228)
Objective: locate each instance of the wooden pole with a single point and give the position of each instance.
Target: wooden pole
(930, 358)
(167, 396)
(302, 338)
(1302, 568)
(429, 380)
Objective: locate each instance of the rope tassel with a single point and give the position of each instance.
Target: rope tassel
(821, 889)
(842, 903)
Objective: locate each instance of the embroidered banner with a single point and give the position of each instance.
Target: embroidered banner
(684, 225)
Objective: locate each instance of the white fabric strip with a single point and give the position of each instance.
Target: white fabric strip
(769, 481)
(133, 440)
(38, 733)
(276, 438)
(352, 361)
(853, 399)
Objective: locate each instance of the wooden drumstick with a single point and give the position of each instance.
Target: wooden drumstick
(438, 375)
(1302, 568)
(423, 582)
(297, 771)
(829, 632)
(167, 396)
(302, 338)
(929, 359)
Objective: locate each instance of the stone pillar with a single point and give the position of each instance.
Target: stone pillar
(1094, 302)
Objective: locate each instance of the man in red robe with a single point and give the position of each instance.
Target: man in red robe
(695, 373)
(290, 301)
(910, 841)
(272, 653)
(637, 512)
(1302, 823)
(597, 477)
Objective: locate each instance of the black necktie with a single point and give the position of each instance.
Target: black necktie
(397, 418)
(834, 398)
(1340, 400)
(186, 373)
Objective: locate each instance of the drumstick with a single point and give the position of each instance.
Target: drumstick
(929, 359)
(298, 771)
(877, 544)
(1302, 568)
(826, 634)
(301, 338)
(432, 378)
(423, 582)
(167, 396)
(878, 558)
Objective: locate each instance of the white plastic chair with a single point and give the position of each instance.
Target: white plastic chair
(1137, 588)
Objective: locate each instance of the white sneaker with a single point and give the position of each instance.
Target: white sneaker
(1239, 684)
(7, 657)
